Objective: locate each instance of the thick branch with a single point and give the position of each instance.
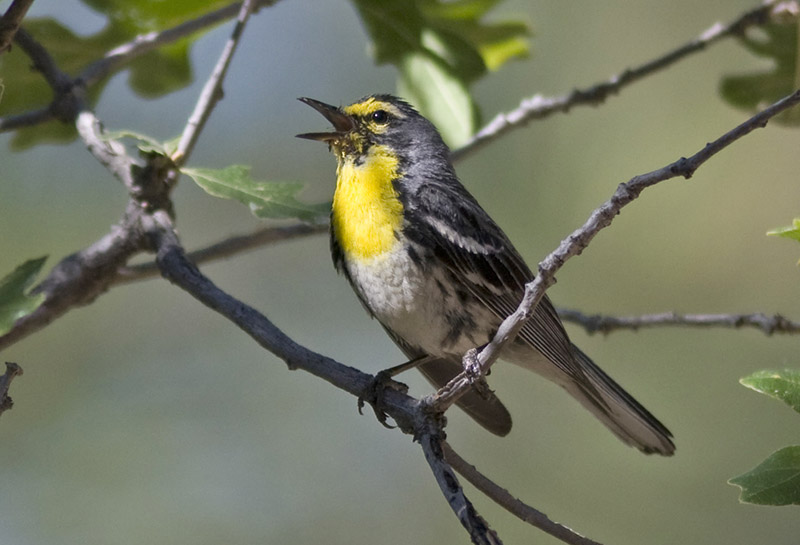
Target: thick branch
(177, 268)
(580, 239)
(10, 22)
(599, 323)
(108, 152)
(504, 499)
(78, 279)
(538, 107)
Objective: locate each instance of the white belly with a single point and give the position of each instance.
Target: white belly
(411, 303)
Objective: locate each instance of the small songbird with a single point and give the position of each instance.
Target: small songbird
(438, 273)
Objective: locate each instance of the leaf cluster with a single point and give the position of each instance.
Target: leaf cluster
(776, 480)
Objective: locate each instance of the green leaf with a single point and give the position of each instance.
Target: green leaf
(265, 199)
(792, 232)
(782, 385)
(440, 48)
(775, 481)
(495, 43)
(755, 90)
(788, 232)
(431, 88)
(163, 71)
(147, 144)
(14, 302)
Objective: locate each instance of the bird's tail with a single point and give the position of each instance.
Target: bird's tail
(618, 410)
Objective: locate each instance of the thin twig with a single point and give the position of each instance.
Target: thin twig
(479, 531)
(226, 248)
(27, 119)
(124, 54)
(576, 242)
(12, 370)
(212, 91)
(68, 99)
(10, 22)
(43, 62)
(538, 107)
(516, 507)
(600, 323)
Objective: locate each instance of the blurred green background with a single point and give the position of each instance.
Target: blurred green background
(146, 418)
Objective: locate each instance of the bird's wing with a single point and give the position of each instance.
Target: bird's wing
(475, 249)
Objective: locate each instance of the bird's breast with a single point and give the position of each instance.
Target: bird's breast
(367, 214)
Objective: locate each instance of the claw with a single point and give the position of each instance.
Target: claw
(373, 394)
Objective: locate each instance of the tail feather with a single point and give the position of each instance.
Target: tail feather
(619, 411)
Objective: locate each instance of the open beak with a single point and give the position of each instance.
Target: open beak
(342, 123)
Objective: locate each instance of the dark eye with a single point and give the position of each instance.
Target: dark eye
(380, 117)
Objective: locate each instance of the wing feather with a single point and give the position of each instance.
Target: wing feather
(476, 250)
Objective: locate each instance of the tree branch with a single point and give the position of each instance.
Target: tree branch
(538, 107)
(177, 268)
(79, 278)
(112, 61)
(67, 100)
(124, 54)
(599, 323)
(576, 242)
(12, 370)
(226, 248)
(10, 22)
(432, 445)
(504, 499)
(212, 91)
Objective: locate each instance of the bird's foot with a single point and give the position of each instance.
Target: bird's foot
(472, 368)
(375, 391)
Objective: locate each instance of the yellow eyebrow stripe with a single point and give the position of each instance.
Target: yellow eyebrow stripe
(365, 108)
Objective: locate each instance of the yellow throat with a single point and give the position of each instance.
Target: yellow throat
(366, 209)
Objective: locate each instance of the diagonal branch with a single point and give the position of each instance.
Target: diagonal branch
(10, 22)
(212, 91)
(78, 279)
(600, 323)
(124, 54)
(576, 242)
(178, 269)
(504, 499)
(538, 107)
(433, 446)
(68, 98)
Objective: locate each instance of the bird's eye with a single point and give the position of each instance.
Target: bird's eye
(380, 117)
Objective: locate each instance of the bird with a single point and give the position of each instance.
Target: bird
(438, 273)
